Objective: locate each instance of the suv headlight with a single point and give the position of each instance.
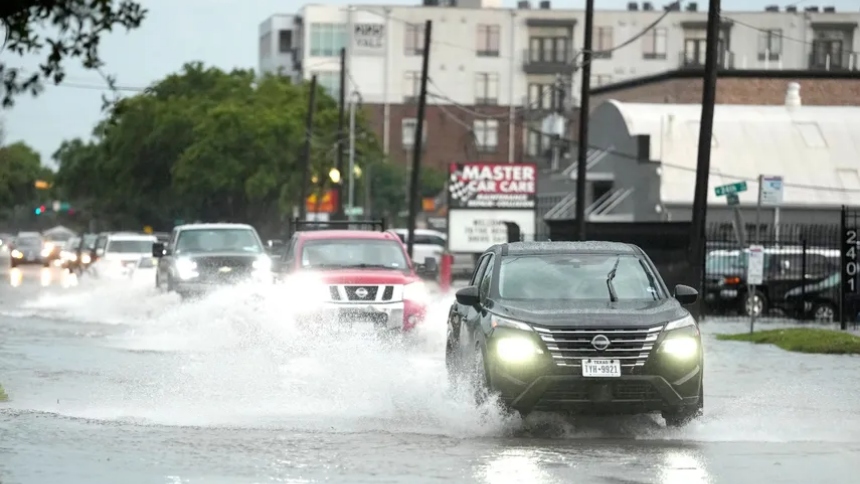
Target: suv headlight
(681, 339)
(514, 346)
(186, 268)
(416, 292)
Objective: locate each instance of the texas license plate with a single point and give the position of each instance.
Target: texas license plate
(601, 368)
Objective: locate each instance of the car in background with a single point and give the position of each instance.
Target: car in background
(433, 243)
(201, 257)
(27, 249)
(355, 277)
(577, 327)
(79, 253)
(118, 253)
(5, 240)
(55, 242)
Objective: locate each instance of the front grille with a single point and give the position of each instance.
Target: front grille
(569, 346)
(357, 293)
(361, 293)
(589, 391)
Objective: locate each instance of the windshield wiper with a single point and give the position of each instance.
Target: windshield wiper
(613, 296)
(369, 266)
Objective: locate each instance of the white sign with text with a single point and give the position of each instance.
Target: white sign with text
(473, 230)
(755, 267)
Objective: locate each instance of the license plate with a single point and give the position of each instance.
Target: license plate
(601, 368)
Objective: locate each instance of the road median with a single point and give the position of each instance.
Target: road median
(802, 340)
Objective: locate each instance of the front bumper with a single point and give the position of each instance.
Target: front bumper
(651, 380)
(399, 315)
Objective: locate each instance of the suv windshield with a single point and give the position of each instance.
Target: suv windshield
(606, 277)
(141, 246)
(218, 240)
(340, 253)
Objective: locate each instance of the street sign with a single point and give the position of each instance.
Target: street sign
(755, 266)
(733, 199)
(770, 190)
(353, 211)
(731, 188)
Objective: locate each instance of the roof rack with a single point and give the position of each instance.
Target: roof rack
(297, 225)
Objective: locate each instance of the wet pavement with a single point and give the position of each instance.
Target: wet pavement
(112, 382)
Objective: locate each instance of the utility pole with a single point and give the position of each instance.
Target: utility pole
(703, 165)
(306, 155)
(352, 107)
(414, 199)
(582, 147)
(340, 135)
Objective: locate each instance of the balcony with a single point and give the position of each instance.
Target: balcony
(696, 59)
(546, 62)
(841, 61)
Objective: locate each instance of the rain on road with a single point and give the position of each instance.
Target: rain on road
(120, 384)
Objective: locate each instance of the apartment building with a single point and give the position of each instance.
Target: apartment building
(493, 70)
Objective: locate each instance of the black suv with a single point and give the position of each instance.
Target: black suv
(577, 327)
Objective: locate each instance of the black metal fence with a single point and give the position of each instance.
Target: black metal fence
(800, 277)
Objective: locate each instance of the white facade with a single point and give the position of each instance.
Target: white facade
(377, 38)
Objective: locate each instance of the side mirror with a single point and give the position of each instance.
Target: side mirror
(469, 296)
(429, 269)
(100, 252)
(158, 249)
(686, 294)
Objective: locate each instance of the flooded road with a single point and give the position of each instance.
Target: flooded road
(110, 383)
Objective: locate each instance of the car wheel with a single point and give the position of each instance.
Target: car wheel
(682, 416)
(755, 304)
(824, 312)
(478, 379)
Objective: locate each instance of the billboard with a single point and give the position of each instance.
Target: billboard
(492, 185)
(483, 196)
(368, 40)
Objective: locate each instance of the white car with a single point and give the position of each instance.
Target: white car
(143, 274)
(118, 254)
(432, 243)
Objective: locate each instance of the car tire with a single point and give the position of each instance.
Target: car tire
(682, 416)
(755, 301)
(824, 312)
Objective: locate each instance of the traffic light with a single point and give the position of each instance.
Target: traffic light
(40, 210)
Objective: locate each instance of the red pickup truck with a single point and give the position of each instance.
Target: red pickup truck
(354, 276)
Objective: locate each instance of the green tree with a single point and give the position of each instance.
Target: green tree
(77, 26)
(202, 144)
(20, 167)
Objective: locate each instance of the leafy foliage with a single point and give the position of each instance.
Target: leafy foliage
(204, 144)
(20, 167)
(79, 26)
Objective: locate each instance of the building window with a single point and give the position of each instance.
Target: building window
(407, 132)
(486, 88)
(411, 86)
(695, 43)
(543, 96)
(536, 142)
(488, 41)
(486, 134)
(598, 80)
(285, 41)
(654, 44)
(549, 49)
(327, 39)
(602, 43)
(330, 81)
(770, 45)
(266, 45)
(414, 39)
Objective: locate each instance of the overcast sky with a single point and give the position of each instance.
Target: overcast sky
(222, 33)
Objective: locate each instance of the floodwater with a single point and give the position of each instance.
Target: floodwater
(114, 383)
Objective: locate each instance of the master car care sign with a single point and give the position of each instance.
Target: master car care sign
(492, 185)
(482, 197)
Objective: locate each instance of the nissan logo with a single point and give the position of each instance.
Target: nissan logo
(361, 292)
(600, 342)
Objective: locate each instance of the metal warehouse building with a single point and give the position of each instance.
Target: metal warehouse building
(647, 153)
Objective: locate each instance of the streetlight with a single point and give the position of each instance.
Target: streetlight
(334, 175)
